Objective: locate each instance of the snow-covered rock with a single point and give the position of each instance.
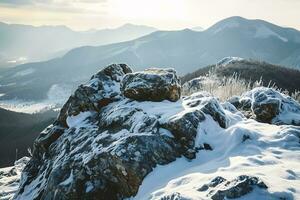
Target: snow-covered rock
(105, 145)
(269, 106)
(103, 88)
(152, 85)
(10, 177)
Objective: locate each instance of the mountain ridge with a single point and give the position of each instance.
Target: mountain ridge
(185, 50)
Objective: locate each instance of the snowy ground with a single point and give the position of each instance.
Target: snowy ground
(272, 153)
(56, 97)
(9, 178)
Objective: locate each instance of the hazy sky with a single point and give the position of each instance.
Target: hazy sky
(163, 14)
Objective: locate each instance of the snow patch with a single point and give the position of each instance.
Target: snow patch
(24, 72)
(264, 32)
(231, 24)
(78, 120)
(227, 60)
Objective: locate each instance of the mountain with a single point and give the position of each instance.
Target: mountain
(252, 71)
(197, 28)
(130, 135)
(184, 50)
(25, 43)
(18, 131)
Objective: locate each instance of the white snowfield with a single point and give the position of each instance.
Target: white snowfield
(245, 147)
(9, 179)
(272, 153)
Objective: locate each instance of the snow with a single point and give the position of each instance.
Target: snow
(164, 109)
(265, 32)
(24, 72)
(272, 153)
(57, 96)
(26, 106)
(227, 60)
(19, 60)
(78, 120)
(9, 178)
(231, 24)
(68, 180)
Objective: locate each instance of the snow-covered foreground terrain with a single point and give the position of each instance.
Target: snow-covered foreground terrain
(271, 152)
(9, 178)
(130, 135)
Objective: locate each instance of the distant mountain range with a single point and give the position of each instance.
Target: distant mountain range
(184, 50)
(25, 43)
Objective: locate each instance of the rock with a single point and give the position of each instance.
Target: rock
(102, 89)
(219, 188)
(98, 150)
(216, 181)
(184, 127)
(174, 196)
(152, 85)
(209, 105)
(269, 106)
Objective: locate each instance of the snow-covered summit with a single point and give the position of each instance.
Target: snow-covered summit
(107, 145)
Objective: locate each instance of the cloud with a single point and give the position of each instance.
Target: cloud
(67, 6)
(16, 2)
(48, 2)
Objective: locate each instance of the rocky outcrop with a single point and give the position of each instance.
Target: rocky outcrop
(152, 85)
(219, 188)
(104, 142)
(113, 131)
(269, 106)
(102, 89)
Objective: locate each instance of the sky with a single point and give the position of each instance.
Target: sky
(162, 14)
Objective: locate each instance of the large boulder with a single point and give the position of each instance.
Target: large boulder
(102, 89)
(152, 85)
(184, 127)
(268, 105)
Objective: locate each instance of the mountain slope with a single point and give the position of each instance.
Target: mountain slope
(18, 131)
(47, 42)
(185, 50)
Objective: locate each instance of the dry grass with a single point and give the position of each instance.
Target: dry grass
(227, 87)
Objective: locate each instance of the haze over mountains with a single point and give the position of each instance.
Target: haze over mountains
(184, 50)
(25, 43)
